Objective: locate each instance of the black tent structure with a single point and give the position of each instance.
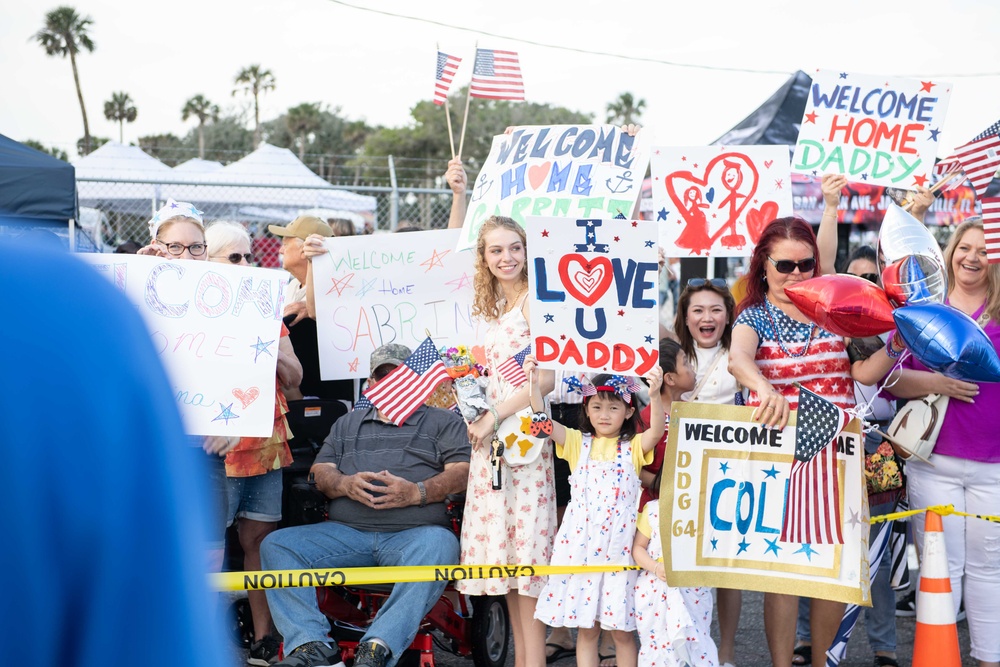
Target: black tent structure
(776, 121)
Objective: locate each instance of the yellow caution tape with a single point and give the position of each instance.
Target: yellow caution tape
(943, 510)
(362, 576)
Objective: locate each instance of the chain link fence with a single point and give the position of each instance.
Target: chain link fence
(374, 194)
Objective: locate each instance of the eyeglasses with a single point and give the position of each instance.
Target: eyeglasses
(177, 249)
(235, 257)
(714, 282)
(872, 277)
(787, 265)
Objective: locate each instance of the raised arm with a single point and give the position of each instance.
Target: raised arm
(826, 236)
(458, 181)
(652, 435)
(313, 246)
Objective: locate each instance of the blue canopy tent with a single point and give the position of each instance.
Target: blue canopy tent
(37, 191)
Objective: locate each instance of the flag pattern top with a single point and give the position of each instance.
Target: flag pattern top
(512, 370)
(406, 387)
(497, 76)
(991, 227)
(812, 507)
(980, 158)
(447, 65)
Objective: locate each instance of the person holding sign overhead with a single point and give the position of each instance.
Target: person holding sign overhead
(514, 520)
(774, 348)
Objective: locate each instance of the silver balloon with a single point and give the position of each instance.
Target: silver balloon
(917, 271)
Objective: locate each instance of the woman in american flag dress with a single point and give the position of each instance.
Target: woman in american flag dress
(774, 346)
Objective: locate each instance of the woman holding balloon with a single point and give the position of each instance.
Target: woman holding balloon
(964, 469)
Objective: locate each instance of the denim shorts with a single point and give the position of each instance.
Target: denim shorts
(257, 498)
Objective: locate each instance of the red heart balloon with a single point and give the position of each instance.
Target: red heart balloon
(845, 305)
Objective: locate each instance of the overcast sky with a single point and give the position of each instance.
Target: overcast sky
(376, 67)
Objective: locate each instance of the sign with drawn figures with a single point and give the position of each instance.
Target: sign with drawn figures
(880, 130)
(572, 171)
(216, 327)
(722, 501)
(715, 200)
(391, 288)
(593, 294)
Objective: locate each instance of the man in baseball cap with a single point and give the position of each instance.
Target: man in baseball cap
(392, 354)
(301, 227)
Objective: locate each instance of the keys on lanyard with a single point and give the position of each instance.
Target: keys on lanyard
(496, 459)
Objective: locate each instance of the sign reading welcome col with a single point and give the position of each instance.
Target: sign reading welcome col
(879, 130)
(577, 171)
(593, 294)
(216, 327)
(391, 288)
(722, 502)
(716, 200)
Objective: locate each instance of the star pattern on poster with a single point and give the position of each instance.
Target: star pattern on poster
(261, 347)
(807, 550)
(340, 284)
(226, 413)
(771, 473)
(434, 260)
(772, 545)
(743, 545)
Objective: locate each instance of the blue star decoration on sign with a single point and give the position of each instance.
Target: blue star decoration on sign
(226, 414)
(715, 544)
(662, 214)
(724, 467)
(772, 473)
(549, 318)
(743, 544)
(649, 244)
(260, 347)
(807, 550)
(772, 545)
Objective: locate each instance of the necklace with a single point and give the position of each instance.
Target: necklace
(509, 305)
(777, 334)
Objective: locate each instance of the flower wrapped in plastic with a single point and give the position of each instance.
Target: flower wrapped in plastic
(467, 380)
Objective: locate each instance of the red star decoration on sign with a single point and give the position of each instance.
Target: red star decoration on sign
(920, 180)
(695, 165)
(340, 284)
(635, 224)
(545, 233)
(621, 313)
(656, 152)
(811, 117)
(925, 86)
(434, 260)
(353, 366)
(617, 239)
(562, 337)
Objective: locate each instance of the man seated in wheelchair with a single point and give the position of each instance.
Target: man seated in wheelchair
(387, 486)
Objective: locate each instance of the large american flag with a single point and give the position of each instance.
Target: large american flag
(497, 76)
(512, 370)
(407, 386)
(980, 158)
(812, 509)
(991, 227)
(447, 65)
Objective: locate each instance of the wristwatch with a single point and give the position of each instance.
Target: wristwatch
(423, 494)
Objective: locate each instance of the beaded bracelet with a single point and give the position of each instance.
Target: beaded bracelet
(890, 350)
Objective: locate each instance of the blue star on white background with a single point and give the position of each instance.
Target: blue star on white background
(226, 414)
(260, 347)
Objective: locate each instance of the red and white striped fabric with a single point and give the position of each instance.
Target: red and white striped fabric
(497, 76)
(980, 159)
(991, 228)
(825, 370)
(444, 74)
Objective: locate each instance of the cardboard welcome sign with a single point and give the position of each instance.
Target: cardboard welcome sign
(880, 130)
(593, 290)
(216, 328)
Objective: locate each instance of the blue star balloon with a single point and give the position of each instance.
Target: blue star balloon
(946, 340)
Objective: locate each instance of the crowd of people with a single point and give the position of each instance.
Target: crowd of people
(592, 496)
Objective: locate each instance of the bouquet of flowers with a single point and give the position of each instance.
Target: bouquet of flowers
(467, 379)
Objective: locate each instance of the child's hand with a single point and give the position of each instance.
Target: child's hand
(530, 367)
(655, 379)
(661, 572)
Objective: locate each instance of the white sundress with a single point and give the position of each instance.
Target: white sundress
(674, 623)
(597, 529)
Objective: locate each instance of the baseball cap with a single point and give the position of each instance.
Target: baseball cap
(393, 353)
(301, 227)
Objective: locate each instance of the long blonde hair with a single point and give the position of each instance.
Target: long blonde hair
(486, 303)
(992, 272)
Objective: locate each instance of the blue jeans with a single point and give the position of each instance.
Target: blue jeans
(334, 545)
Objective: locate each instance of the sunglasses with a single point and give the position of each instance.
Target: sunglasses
(235, 257)
(177, 249)
(714, 282)
(787, 265)
(871, 277)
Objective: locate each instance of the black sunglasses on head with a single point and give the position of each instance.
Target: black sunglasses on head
(787, 265)
(714, 282)
(872, 277)
(235, 257)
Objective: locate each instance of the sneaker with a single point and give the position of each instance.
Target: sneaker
(371, 654)
(960, 616)
(313, 654)
(907, 605)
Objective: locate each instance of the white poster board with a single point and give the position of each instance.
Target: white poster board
(879, 130)
(391, 288)
(593, 290)
(216, 327)
(573, 171)
(714, 201)
(722, 501)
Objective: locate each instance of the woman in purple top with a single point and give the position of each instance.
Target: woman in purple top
(964, 469)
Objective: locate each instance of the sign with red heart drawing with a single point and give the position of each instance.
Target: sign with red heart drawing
(714, 201)
(593, 292)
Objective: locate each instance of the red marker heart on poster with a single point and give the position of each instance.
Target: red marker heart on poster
(246, 397)
(768, 163)
(538, 173)
(757, 219)
(588, 283)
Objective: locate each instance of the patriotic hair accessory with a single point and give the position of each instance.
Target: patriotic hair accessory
(584, 386)
(174, 209)
(623, 386)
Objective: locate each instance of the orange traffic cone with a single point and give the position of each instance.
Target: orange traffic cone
(936, 641)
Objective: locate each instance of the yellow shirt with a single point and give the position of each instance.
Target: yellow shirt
(601, 449)
(643, 526)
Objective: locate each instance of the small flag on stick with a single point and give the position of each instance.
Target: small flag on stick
(447, 65)
(497, 76)
(512, 370)
(991, 228)
(980, 158)
(406, 387)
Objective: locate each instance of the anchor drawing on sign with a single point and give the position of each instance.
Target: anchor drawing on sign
(620, 186)
(482, 187)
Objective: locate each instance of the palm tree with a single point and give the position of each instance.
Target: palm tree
(302, 121)
(120, 109)
(254, 81)
(203, 110)
(65, 33)
(625, 110)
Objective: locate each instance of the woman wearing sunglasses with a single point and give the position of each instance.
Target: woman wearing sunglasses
(253, 467)
(774, 346)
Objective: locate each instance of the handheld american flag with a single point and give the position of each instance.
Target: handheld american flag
(406, 387)
(447, 65)
(980, 158)
(991, 228)
(512, 370)
(812, 508)
(497, 76)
